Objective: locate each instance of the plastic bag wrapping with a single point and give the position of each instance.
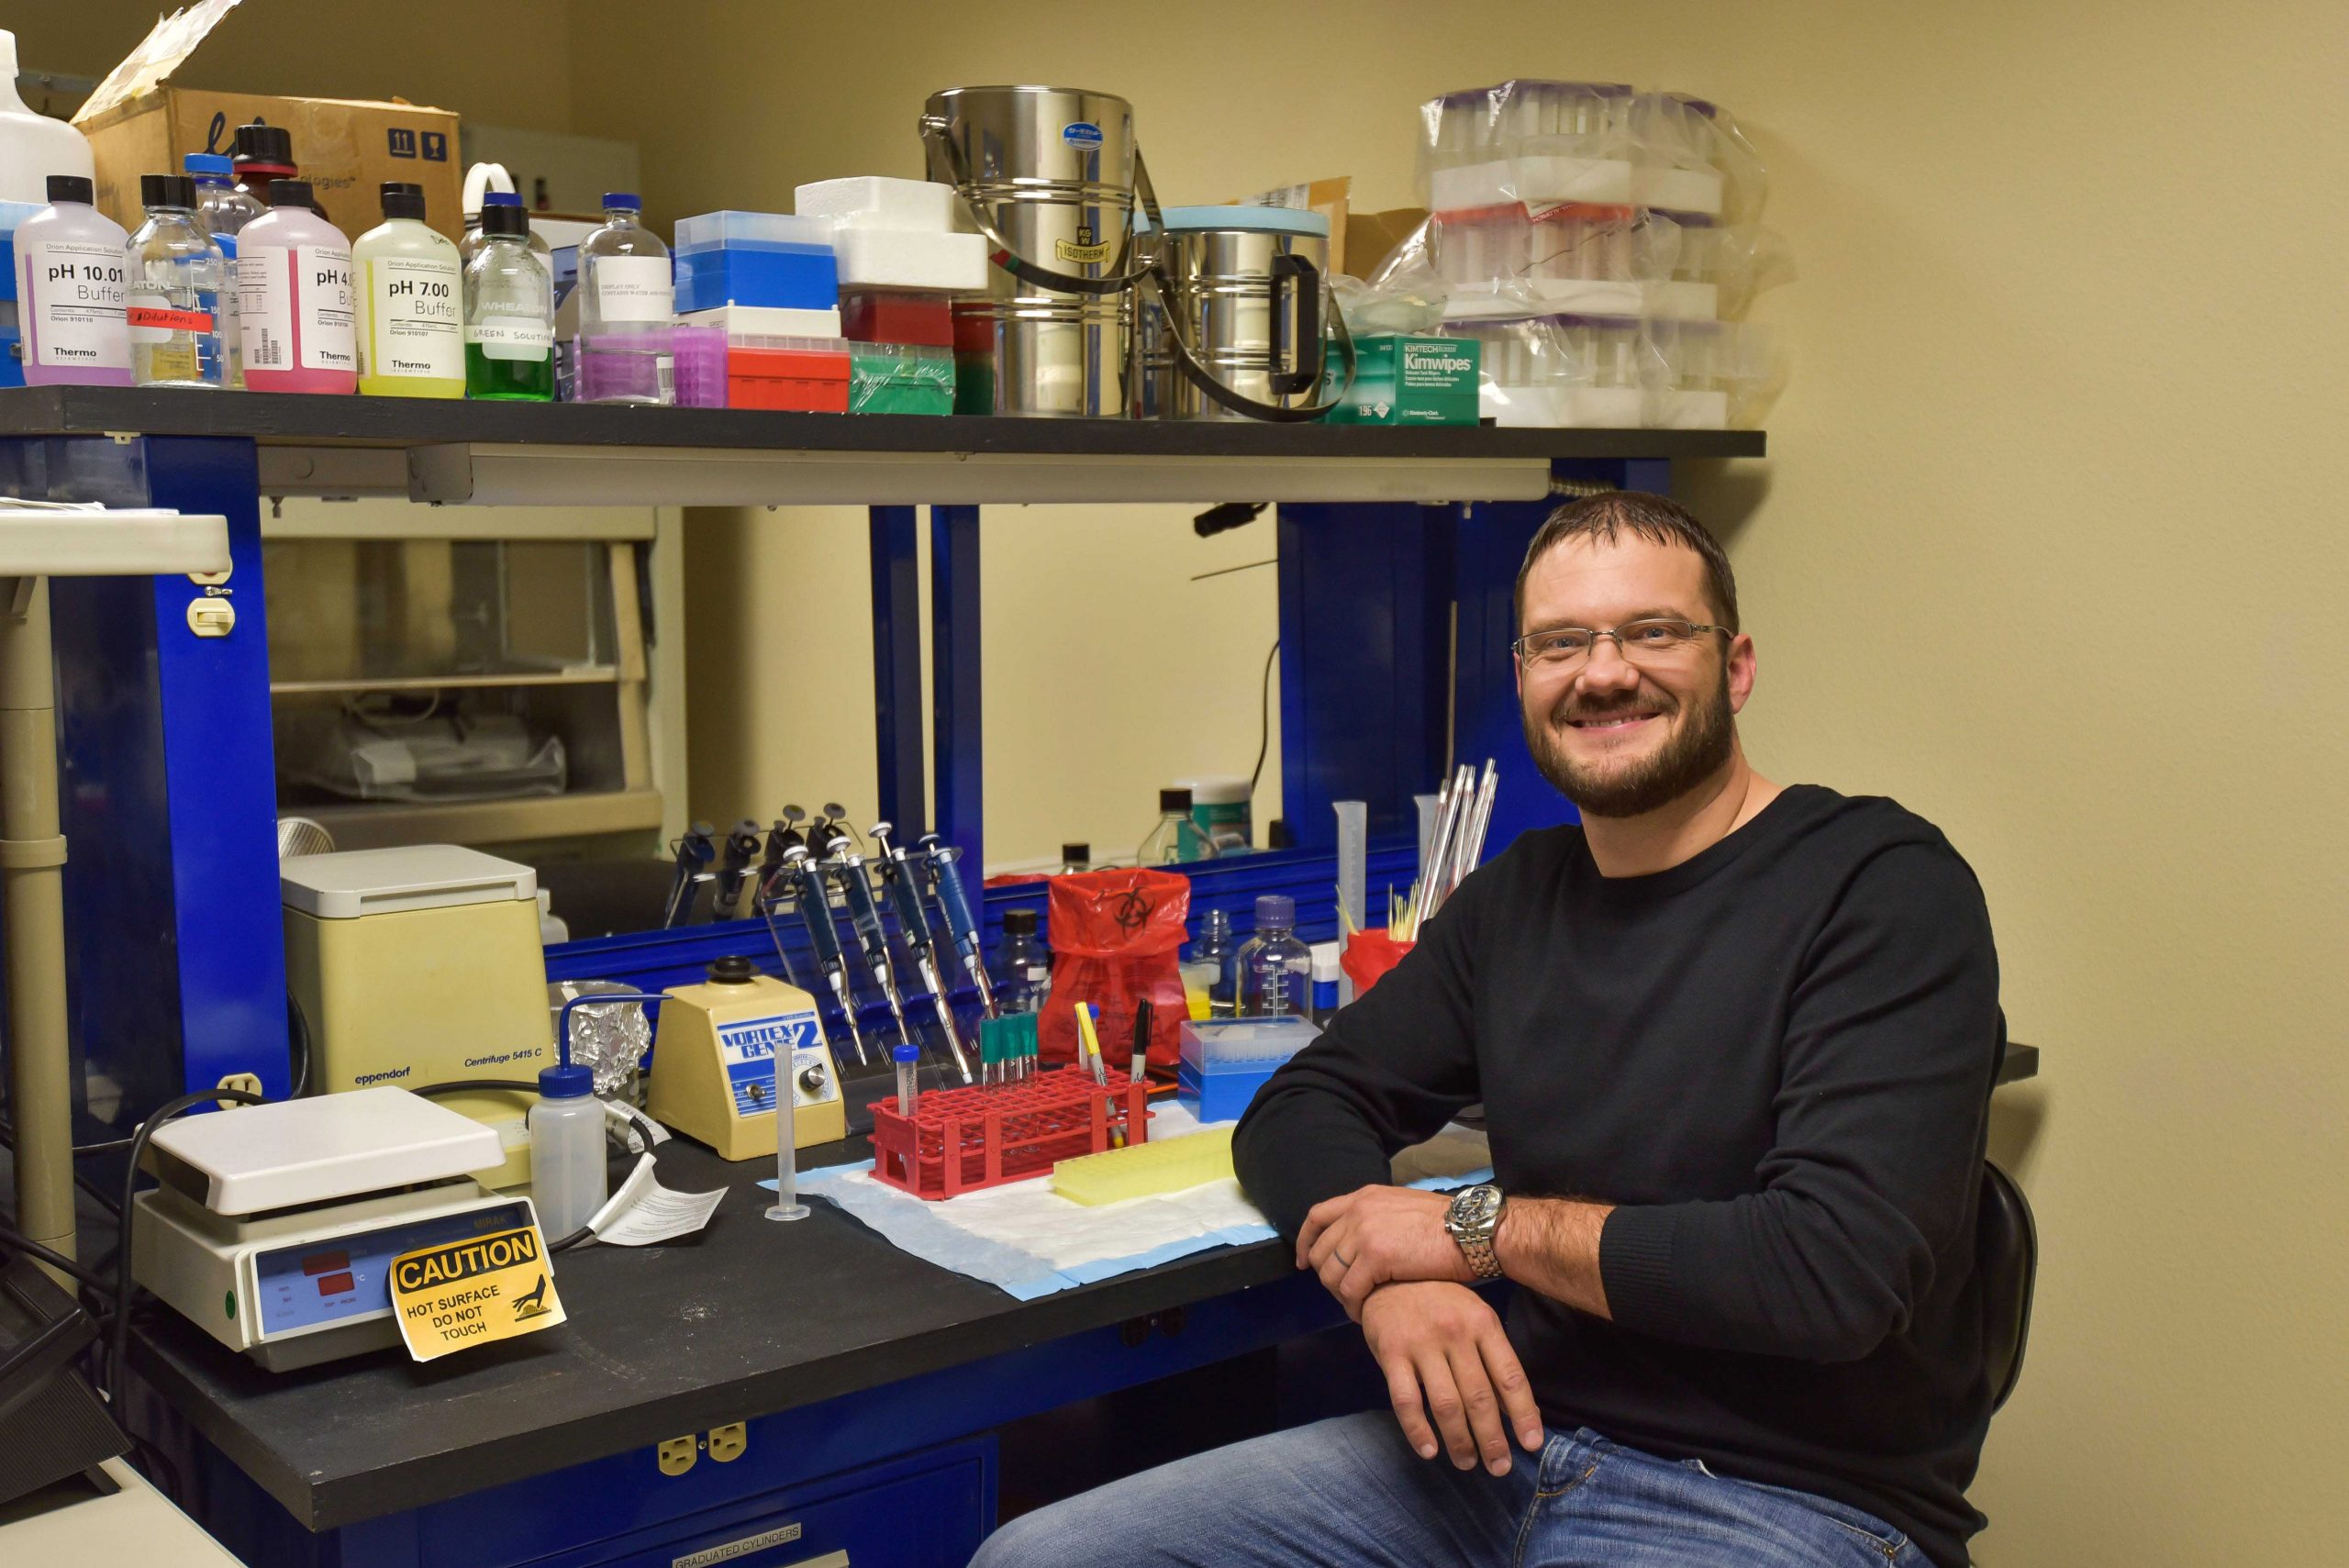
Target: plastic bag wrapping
(1578, 372)
(1692, 158)
(1537, 143)
(377, 753)
(1711, 271)
(610, 1039)
(1709, 375)
(1403, 294)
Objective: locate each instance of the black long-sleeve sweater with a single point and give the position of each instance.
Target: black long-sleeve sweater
(1776, 1059)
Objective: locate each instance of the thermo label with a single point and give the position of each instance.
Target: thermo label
(415, 318)
(297, 307)
(633, 288)
(511, 337)
(76, 290)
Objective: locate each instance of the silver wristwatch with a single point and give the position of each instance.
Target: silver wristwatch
(1474, 1219)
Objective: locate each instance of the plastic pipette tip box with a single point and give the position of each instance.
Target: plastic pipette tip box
(796, 278)
(1226, 1061)
(895, 316)
(1145, 1170)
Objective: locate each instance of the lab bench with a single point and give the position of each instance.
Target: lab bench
(806, 1376)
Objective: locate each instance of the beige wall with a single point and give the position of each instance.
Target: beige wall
(502, 63)
(2049, 546)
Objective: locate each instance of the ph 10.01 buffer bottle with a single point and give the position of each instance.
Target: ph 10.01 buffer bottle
(71, 277)
(411, 303)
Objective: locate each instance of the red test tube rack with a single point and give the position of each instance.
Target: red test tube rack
(960, 1140)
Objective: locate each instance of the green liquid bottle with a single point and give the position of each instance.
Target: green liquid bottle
(510, 310)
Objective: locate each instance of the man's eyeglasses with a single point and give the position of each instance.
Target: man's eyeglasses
(1656, 640)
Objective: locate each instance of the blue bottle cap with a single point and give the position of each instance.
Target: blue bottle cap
(1276, 909)
(628, 199)
(500, 199)
(905, 1053)
(566, 1082)
(206, 165)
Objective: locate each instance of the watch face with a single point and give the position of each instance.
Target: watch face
(1476, 1206)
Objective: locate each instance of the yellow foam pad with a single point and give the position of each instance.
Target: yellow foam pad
(1141, 1170)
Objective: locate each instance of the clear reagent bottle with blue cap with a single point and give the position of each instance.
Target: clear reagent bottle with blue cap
(1275, 968)
(568, 1180)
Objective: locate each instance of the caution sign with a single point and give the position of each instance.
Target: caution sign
(461, 1293)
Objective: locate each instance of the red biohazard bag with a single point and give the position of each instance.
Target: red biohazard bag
(1116, 938)
(1369, 955)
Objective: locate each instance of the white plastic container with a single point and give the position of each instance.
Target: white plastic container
(33, 147)
(72, 276)
(411, 303)
(569, 1181)
(934, 262)
(873, 201)
(296, 302)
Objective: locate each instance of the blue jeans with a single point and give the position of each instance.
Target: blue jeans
(1349, 1492)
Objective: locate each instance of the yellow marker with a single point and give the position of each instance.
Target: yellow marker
(1089, 1045)
(460, 1294)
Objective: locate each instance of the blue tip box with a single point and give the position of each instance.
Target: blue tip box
(1226, 1061)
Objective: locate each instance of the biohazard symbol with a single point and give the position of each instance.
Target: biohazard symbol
(1132, 911)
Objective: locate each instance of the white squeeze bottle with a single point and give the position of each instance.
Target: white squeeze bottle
(411, 303)
(72, 287)
(568, 1176)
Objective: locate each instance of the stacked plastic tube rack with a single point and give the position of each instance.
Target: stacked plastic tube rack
(1602, 243)
(961, 1141)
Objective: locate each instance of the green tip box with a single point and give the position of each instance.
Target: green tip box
(1410, 381)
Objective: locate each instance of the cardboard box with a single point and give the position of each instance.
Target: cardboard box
(1328, 197)
(1411, 381)
(140, 122)
(1371, 237)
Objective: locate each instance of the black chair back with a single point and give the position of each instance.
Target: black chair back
(2006, 1250)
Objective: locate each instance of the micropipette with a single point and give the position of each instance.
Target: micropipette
(695, 851)
(865, 916)
(946, 878)
(734, 872)
(914, 926)
(815, 913)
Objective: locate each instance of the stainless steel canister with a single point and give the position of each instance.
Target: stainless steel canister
(1248, 286)
(1051, 171)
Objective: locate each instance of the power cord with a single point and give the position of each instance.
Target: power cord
(118, 1340)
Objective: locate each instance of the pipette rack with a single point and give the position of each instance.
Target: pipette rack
(961, 1141)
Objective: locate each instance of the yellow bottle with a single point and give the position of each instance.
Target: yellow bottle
(411, 303)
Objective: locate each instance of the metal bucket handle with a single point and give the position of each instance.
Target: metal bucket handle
(1240, 403)
(1005, 255)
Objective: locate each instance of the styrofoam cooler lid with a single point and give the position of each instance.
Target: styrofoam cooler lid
(352, 883)
(1252, 219)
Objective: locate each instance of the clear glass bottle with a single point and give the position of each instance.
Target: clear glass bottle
(625, 305)
(1275, 968)
(411, 303)
(224, 211)
(1023, 965)
(1176, 840)
(1075, 858)
(177, 278)
(509, 312)
(1207, 971)
(469, 245)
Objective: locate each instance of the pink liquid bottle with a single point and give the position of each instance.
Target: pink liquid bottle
(296, 299)
(72, 285)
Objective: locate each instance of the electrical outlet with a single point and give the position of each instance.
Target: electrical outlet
(727, 1443)
(677, 1455)
(249, 1082)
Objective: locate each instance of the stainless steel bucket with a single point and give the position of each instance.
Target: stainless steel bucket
(1049, 175)
(1248, 287)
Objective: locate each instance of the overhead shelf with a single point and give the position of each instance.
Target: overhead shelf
(577, 676)
(570, 454)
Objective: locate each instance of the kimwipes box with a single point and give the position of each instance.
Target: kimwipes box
(140, 122)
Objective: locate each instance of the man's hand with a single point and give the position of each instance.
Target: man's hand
(1378, 1235)
(1446, 1357)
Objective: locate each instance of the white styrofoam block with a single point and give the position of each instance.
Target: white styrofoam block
(1521, 406)
(1537, 181)
(1680, 300)
(873, 201)
(1688, 411)
(1677, 190)
(765, 321)
(871, 258)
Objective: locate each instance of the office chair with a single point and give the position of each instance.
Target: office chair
(2006, 1250)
